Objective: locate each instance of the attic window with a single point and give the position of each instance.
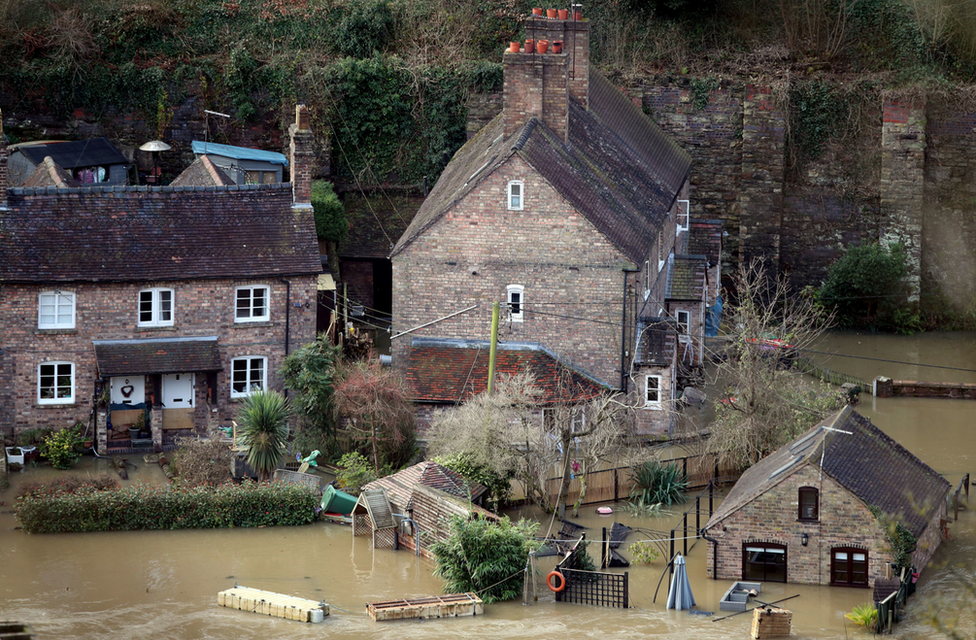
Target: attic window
(516, 193)
(809, 499)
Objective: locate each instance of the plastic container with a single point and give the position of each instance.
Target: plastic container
(335, 501)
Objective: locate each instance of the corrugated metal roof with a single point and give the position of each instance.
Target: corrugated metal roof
(238, 153)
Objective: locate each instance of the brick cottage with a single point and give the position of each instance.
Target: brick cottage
(571, 209)
(814, 511)
(170, 303)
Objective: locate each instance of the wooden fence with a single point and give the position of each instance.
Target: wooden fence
(613, 485)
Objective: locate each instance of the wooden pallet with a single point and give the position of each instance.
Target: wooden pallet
(446, 606)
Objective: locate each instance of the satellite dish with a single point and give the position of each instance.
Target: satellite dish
(155, 145)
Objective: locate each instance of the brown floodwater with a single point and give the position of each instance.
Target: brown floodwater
(164, 584)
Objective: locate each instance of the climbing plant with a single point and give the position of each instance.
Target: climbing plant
(901, 541)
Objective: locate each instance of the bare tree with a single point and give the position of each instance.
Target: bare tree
(765, 401)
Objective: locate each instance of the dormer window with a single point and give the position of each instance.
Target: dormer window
(516, 193)
(516, 302)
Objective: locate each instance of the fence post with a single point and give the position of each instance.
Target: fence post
(698, 515)
(684, 466)
(626, 590)
(603, 550)
(686, 532)
(615, 496)
(711, 509)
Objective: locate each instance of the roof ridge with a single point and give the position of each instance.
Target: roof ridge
(526, 133)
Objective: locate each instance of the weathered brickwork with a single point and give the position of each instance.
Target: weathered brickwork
(573, 278)
(108, 311)
(844, 521)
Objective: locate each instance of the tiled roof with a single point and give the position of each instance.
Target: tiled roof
(687, 278)
(162, 355)
(49, 174)
(202, 173)
(160, 234)
(74, 154)
(656, 347)
(618, 169)
(705, 238)
(400, 486)
(872, 466)
(449, 371)
(375, 223)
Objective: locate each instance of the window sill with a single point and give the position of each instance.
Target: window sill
(56, 332)
(652, 407)
(168, 327)
(55, 405)
(252, 324)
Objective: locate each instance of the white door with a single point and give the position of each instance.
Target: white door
(128, 389)
(177, 391)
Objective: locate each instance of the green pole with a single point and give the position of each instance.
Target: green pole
(494, 343)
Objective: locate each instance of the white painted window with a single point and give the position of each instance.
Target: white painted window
(660, 249)
(516, 195)
(56, 310)
(684, 214)
(652, 391)
(251, 304)
(56, 383)
(156, 307)
(516, 302)
(248, 374)
(647, 279)
(684, 325)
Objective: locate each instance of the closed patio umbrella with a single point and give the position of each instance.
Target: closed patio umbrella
(679, 595)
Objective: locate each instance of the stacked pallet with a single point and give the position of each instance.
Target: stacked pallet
(446, 606)
(771, 622)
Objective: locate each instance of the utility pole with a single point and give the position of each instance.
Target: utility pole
(494, 343)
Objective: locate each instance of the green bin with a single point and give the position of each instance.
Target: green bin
(335, 501)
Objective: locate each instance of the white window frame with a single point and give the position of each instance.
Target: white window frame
(62, 302)
(515, 316)
(55, 387)
(684, 326)
(156, 295)
(660, 249)
(647, 279)
(249, 309)
(516, 202)
(648, 402)
(684, 214)
(251, 383)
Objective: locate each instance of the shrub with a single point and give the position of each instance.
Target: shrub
(656, 483)
(149, 507)
(643, 552)
(65, 485)
(355, 470)
(330, 215)
(201, 462)
(498, 485)
(263, 429)
(366, 28)
(485, 557)
(866, 288)
(59, 447)
(864, 615)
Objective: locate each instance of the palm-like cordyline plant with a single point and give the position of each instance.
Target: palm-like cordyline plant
(263, 429)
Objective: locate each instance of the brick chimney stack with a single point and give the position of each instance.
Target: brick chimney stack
(540, 84)
(4, 174)
(300, 156)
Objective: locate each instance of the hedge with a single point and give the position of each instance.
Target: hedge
(148, 507)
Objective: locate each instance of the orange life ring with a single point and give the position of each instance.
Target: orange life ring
(562, 581)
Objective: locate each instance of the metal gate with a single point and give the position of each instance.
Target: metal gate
(591, 587)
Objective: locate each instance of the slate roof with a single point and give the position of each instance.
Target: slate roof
(200, 147)
(871, 465)
(160, 355)
(375, 223)
(618, 169)
(400, 486)
(139, 234)
(449, 371)
(49, 174)
(202, 173)
(705, 238)
(656, 346)
(75, 154)
(687, 278)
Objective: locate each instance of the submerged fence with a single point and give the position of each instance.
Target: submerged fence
(591, 587)
(809, 367)
(613, 485)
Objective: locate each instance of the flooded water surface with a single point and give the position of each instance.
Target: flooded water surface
(164, 584)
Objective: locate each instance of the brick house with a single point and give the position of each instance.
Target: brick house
(167, 302)
(566, 209)
(804, 513)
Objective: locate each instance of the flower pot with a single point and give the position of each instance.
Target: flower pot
(557, 46)
(514, 47)
(145, 435)
(542, 46)
(537, 11)
(577, 15)
(551, 13)
(530, 46)
(563, 14)
(134, 432)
